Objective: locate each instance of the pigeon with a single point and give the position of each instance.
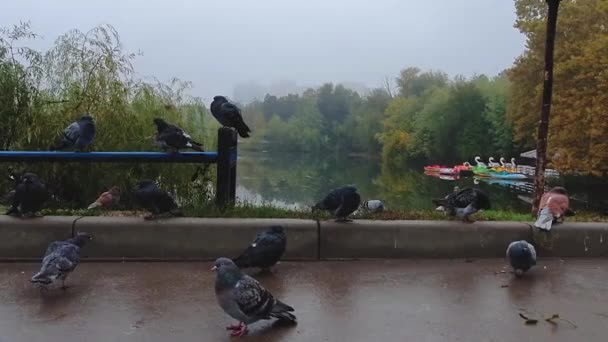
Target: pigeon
(463, 203)
(554, 205)
(229, 115)
(78, 135)
(29, 197)
(107, 199)
(169, 136)
(244, 298)
(522, 256)
(155, 200)
(265, 251)
(341, 202)
(374, 206)
(60, 259)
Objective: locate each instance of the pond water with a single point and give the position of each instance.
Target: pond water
(298, 180)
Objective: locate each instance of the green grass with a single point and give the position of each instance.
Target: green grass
(245, 210)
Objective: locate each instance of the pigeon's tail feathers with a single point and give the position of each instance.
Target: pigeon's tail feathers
(242, 129)
(242, 261)
(94, 205)
(283, 311)
(41, 278)
(439, 202)
(284, 316)
(196, 146)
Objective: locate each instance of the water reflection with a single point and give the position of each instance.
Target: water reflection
(297, 180)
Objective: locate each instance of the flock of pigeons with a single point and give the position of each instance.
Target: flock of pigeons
(240, 296)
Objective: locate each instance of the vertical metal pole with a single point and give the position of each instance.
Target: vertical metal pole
(226, 167)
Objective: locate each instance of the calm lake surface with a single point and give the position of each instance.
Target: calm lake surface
(298, 180)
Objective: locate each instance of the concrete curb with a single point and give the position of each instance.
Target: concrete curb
(128, 238)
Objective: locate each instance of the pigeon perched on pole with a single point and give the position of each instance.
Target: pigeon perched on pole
(229, 115)
(29, 197)
(464, 203)
(265, 251)
(60, 259)
(245, 299)
(107, 199)
(521, 256)
(158, 202)
(340, 202)
(169, 136)
(554, 205)
(78, 135)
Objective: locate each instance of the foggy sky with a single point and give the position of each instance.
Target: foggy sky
(219, 44)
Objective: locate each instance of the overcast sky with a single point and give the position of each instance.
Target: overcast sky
(218, 44)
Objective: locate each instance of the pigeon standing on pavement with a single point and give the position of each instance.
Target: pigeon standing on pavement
(169, 136)
(60, 259)
(158, 202)
(107, 199)
(29, 197)
(265, 251)
(554, 205)
(340, 202)
(521, 256)
(78, 135)
(464, 203)
(244, 299)
(229, 115)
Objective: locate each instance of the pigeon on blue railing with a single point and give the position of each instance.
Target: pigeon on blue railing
(169, 136)
(229, 115)
(265, 251)
(158, 202)
(340, 202)
(60, 259)
(78, 135)
(29, 196)
(522, 256)
(245, 299)
(464, 203)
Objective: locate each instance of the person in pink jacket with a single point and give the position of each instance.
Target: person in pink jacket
(554, 205)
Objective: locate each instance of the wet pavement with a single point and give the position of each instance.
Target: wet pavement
(397, 300)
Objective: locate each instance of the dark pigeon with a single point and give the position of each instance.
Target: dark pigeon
(29, 196)
(78, 135)
(60, 259)
(158, 202)
(244, 299)
(265, 251)
(340, 202)
(229, 115)
(522, 256)
(169, 136)
(464, 203)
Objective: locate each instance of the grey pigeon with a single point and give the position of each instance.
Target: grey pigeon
(522, 256)
(244, 298)
(265, 251)
(60, 259)
(374, 206)
(29, 197)
(156, 201)
(229, 115)
(169, 136)
(464, 203)
(78, 135)
(340, 202)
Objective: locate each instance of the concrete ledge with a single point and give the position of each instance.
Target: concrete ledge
(422, 239)
(28, 238)
(189, 238)
(576, 239)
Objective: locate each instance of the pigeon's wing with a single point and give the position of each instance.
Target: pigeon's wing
(350, 202)
(532, 252)
(72, 132)
(252, 298)
(163, 200)
(53, 246)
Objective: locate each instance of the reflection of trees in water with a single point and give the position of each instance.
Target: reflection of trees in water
(306, 178)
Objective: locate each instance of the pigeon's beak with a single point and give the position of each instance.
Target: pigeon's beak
(213, 268)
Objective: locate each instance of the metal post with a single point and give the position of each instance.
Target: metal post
(226, 167)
